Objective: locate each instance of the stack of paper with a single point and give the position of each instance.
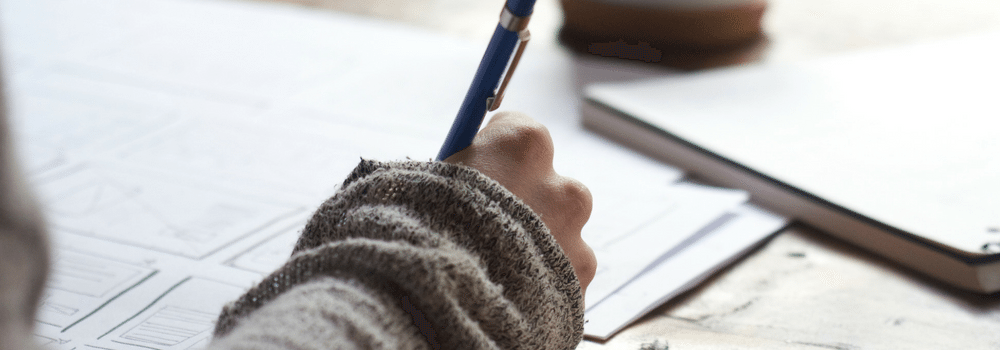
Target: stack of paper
(179, 145)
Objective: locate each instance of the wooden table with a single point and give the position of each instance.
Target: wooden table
(802, 290)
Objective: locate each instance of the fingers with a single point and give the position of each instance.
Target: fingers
(584, 261)
(563, 202)
(512, 149)
(573, 205)
(519, 138)
(517, 152)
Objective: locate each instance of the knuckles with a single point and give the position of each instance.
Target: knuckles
(518, 152)
(524, 142)
(569, 206)
(578, 200)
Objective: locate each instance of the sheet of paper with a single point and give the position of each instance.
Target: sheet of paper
(178, 150)
(728, 238)
(632, 234)
(99, 289)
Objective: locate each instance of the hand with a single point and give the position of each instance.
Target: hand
(516, 151)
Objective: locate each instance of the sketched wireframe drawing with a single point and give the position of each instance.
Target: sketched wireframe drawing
(269, 254)
(49, 342)
(60, 118)
(160, 214)
(181, 318)
(81, 283)
(271, 156)
(169, 326)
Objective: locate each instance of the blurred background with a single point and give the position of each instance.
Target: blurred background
(797, 29)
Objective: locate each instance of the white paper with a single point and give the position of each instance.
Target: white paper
(178, 147)
(741, 229)
(665, 221)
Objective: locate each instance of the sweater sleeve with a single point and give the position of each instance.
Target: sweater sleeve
(415, 255)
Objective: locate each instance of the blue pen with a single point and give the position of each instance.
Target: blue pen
(481, 98)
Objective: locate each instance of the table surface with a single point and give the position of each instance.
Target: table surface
(802, 289)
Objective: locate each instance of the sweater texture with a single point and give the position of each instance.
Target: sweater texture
(414, 255)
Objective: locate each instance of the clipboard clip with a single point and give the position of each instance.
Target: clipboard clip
(510, 22)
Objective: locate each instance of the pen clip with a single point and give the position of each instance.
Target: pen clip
(493, 102)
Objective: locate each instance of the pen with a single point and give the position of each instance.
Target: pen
(483, 95)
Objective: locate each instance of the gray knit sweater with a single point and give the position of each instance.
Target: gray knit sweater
(413, 255)
(405, 256)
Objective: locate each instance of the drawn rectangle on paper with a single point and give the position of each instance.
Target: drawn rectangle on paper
(81, 283)
(270, 156)
(89, 276)
(170, 325)
(269, 254)
(154, 213)
(182, 318)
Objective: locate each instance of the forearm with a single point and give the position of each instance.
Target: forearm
(429, 240)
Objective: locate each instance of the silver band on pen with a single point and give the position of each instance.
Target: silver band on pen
(512, 22)
(519, 25)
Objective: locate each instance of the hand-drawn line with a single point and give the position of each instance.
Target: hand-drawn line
(193, 255)
(659, 215)
(206, 227)
(47, 323)
(249, 231)
(681, 246)
(234, 260)
(196, 237)
(170, 326)
(95, 277)
(43, 340)
(98, 196)
(93, 196)
(173, 320)
(147, 306)
(49, 342)
(98, 347)
(61, 309)
(200, 344)
(151, 274)
(136, 345)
